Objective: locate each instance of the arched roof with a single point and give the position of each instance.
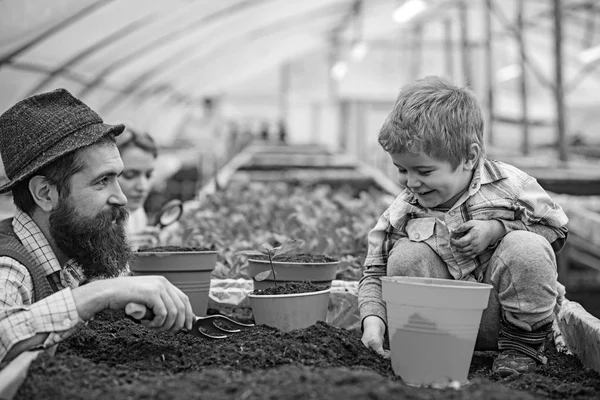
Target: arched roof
(149, 55)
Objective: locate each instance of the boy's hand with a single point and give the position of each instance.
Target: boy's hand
(373, 331)
(473, 237)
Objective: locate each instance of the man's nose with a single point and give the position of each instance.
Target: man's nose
(118, 197)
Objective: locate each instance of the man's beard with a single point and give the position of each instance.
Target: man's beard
(97, 244)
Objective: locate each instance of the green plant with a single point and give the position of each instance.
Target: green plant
(273, 252)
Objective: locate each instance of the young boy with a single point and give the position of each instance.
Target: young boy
(465, 217)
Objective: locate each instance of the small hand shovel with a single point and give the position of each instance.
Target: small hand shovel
(203, 327)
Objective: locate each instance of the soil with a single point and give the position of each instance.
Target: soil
(113, 357)
(290, 288)
(165, 249)
(299, 258)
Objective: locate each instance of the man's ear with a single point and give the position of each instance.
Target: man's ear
(43, 192)
(472, 157)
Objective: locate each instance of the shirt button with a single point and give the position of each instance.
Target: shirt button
(417, 236)
(474, 186)
(451, 212)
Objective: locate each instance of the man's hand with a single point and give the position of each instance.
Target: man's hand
(373, 331)
(473, 237)
(170, 306)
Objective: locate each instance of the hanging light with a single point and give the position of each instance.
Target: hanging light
(359, 50)
(408, 10)
(339, 70)
(589, 55)
(509, 72)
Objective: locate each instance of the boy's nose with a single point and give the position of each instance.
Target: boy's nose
(412, 181)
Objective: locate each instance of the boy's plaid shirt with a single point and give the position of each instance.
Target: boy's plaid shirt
(21, 319)
(498, 191)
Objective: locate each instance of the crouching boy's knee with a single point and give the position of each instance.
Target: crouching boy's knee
(525, 247)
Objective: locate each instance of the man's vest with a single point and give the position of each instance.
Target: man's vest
(11, 246)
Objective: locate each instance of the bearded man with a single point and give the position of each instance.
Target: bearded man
(64, 255)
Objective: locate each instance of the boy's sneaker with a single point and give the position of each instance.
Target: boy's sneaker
(513, 362)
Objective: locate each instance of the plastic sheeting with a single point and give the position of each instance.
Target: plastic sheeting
(343, 301)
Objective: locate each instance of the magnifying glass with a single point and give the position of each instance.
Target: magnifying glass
(169, 213)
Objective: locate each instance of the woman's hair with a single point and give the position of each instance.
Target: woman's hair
(132, 137)
(58, 173)
(436, 117)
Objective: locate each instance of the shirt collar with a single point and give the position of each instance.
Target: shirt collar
(487, 171)
(35, 242)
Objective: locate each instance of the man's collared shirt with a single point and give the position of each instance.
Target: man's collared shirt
(498, 191)
(20, 318)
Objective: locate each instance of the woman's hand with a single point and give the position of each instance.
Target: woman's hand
(149, 236)
(373, 331)
(473, 237)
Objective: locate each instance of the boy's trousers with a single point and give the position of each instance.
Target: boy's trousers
(522, 272)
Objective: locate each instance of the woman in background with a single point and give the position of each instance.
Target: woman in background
(138, 152)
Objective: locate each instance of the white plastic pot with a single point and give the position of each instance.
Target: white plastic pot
(433, 325)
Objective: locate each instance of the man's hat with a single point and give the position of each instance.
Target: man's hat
(42, 128)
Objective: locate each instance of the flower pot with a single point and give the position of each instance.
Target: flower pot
(433, 325)
(190, 271)
(287, 312)
(319, 273)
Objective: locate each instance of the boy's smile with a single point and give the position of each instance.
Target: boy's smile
(434, 183)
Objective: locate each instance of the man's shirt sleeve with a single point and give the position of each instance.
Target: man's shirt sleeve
(21, 320)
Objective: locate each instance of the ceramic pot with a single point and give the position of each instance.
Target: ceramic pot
(190, 271)
(287, 312)
(319, 273)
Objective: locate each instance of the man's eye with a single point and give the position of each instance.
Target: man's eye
(425, 173)
(103, 181)
(401, 171)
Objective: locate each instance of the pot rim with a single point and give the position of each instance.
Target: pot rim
(169, 253)
(264, 296)
(436, 282)
(294, 262)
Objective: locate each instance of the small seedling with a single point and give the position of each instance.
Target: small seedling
(273, 252)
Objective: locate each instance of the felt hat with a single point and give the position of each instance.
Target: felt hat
(42, 128)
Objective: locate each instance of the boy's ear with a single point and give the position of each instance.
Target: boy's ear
(43, 192)
(472, 157)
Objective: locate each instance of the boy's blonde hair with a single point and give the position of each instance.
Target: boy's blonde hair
(436, 117)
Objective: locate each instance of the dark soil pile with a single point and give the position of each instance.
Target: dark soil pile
(168, 249)
(290, 288)
(113, 357)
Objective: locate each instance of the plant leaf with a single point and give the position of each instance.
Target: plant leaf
(288, 246)
(267, 247)
(261, 276)
(250, 253)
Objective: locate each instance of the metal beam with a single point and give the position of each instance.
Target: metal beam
(515, 31)
(183, 55)
(448, 48)
(465, 47)
(558, 87)
(489, 67)
(54, 29)
(106, 41)
(184, 30)
(523, 78)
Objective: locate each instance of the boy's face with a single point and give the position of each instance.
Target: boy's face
(434, 183)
